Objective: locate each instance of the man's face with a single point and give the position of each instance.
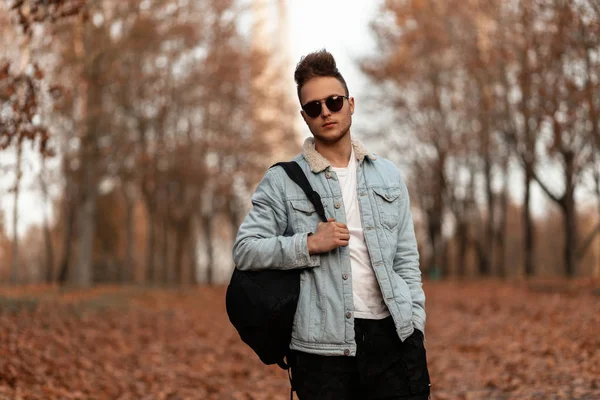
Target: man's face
(328, 126)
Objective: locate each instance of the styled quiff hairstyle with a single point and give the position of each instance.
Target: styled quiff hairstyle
(318, 63)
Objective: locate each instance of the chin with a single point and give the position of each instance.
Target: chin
(328, 138)
(331, 137)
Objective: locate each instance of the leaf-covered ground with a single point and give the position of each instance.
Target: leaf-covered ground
(485, 340)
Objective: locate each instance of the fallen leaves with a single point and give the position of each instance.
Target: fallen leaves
(512, 343)
(485, 340)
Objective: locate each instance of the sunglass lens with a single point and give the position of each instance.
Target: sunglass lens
(313, 109)
(335, 103)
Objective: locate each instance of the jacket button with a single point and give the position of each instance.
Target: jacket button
(348, 314)
(345, 276)
(328, 175)
(346, 352)
(337, 205)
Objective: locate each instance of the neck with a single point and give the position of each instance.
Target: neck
(337, 153)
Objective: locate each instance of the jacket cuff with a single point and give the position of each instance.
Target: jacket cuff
(418, 323)
(303, 258)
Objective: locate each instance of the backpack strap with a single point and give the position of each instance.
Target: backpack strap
(294, 171)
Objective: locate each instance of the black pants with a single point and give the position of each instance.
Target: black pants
(384, 368)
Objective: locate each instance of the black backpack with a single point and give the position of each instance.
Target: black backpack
(261, 304)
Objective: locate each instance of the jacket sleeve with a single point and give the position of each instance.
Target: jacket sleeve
(260, 243)
(406, 260)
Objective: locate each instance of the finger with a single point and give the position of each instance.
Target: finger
(341, 225)
(344, 237)
(344, 231)
(330, 219)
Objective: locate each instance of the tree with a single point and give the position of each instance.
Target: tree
(473, 83)
(157, 111)
(414, 68)
(565, 117)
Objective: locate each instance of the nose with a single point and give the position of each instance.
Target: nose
(325, 112)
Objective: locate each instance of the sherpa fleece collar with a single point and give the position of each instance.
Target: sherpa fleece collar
(318, 163)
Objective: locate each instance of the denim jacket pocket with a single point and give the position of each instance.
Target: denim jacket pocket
(304, 216)
(387, 200)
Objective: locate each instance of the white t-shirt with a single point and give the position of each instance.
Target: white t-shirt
(368, 301)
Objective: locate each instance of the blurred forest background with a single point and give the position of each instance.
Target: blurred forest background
(149, 123)
(140, 128)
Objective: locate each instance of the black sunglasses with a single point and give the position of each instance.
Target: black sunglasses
(334, 104)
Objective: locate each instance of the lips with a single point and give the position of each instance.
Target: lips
(329, 124)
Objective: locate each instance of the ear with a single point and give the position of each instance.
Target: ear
(351, 102)
(304, 116)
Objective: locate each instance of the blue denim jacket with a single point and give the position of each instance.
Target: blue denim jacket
(274, 236)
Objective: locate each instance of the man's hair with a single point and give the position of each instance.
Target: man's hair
(318, 63)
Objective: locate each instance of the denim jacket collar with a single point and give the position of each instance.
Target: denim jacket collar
(318, 163)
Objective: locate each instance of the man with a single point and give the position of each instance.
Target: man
(358, 329)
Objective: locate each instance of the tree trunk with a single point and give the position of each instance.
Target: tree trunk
(192, 248)
(570, 218)
(25, 49)
(434, 229)
(82, 274)
(596, 270)
(529, 139)
(15, 242)
(86, 222)
(502, 223)
(165, 275)
(150, 242)
(462, 235)
(570, 239)
(484, 259)
(208, 233)
(486, 266)
(148, 191)
(47, 234)
(487, 255)
(69, 215)
(234, 219)
(49, 251)
(529, 263)
(181, 241)
(480, 250)
(434, 217)
(91, 99)
(595, 120)
(178, 256)
(127, 272)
